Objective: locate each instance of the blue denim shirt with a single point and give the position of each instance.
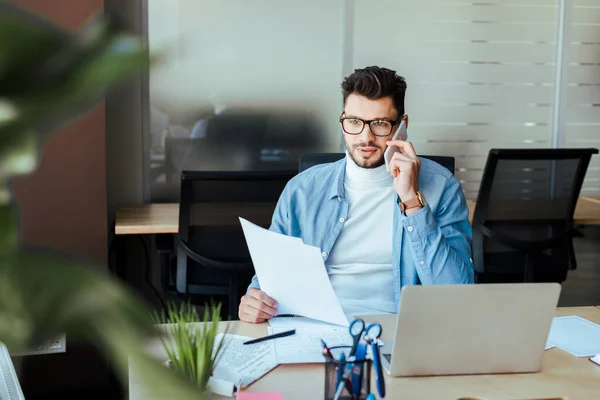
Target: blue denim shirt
(431, 246)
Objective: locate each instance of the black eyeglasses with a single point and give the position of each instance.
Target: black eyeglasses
(379, 127)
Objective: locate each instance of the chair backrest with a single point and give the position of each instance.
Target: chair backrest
(312, 159)
(531, 184)
(525, 204)
(209, 207)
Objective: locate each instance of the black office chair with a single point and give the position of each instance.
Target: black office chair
(523, 218)
(312, 159)
(212, 256)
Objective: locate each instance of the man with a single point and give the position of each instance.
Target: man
(378, 231)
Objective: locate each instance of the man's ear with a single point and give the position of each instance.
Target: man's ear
(405, 119)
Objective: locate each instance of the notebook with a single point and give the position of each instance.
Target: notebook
(242, 365)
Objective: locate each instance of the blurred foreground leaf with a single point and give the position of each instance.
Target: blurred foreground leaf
(47, 75)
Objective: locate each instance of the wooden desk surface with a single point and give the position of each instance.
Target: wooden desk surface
(562, 375)
(587, 211)
(164, 218)
(147, 219)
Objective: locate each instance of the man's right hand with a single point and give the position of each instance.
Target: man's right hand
(257, 307)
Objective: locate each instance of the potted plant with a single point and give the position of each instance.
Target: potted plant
(192, 348)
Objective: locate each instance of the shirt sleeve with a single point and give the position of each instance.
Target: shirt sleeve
(441, 242)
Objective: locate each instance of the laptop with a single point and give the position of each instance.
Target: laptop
(471, 329)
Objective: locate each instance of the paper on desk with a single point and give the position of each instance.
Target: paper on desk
(596, 359)
(241, 364)
(287, 323)
(576, 335)
(293, 274)
(305, 346)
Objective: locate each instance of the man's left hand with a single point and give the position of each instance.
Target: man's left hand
(404, 167)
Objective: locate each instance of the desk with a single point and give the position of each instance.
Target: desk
(164, 218)
(587, 211)
(561, 375)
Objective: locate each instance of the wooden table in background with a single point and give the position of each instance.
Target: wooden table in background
(587, 211)
(164, 218)
(562, 375)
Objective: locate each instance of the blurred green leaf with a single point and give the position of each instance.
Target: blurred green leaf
(47, 75)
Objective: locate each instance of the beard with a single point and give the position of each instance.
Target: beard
(361, 162)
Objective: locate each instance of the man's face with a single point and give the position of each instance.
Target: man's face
(366, 149)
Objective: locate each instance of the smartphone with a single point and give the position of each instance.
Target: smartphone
(401, 133)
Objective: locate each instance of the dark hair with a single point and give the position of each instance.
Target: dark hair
(375, 83)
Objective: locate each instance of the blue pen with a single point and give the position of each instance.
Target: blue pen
(345, 383)
(361, 353)
(340, 369)
(379, 380)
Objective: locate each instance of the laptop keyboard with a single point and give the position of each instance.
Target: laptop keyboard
(388, 357)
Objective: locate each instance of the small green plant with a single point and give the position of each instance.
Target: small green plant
(189, 346)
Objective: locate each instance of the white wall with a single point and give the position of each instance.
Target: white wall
(480, 74)
(259, 54)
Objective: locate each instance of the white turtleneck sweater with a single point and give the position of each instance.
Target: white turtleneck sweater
(360, 263)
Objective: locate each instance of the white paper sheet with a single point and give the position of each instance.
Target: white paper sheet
(596, 359)
(305, 346)
(576, 335)
(244, 364)
(294, 274)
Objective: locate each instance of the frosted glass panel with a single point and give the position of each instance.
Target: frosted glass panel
(262, 74)
(583, 93)
(480, 75)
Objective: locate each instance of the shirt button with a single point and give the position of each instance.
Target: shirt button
(340, 199)
(410, 229)
(324, 254)
(342, 219)
(422, 262)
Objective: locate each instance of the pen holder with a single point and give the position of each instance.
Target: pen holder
(334, 368)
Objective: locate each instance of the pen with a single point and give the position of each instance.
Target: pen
(378, 368)
(357, 370)
(326, 351)
(345, 383)
(269, 337)
(340, 369)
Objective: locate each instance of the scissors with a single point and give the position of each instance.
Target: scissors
(372, 337)
(372, 332)
(357, 328)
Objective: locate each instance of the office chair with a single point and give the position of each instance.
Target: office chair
(213, 261)
(311, 159)
(523, 218)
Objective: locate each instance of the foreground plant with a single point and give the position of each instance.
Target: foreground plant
(189, 346)
(47, 75)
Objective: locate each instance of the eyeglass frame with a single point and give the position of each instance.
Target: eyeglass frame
(369, 121)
